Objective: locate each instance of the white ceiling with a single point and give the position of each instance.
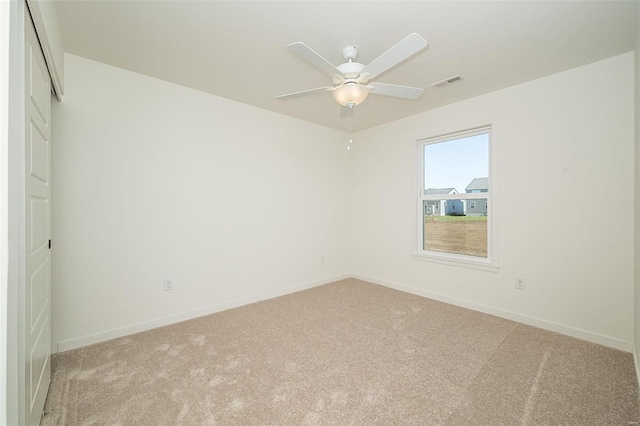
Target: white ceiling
(237, 49)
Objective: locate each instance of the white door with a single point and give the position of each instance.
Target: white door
(37, 309)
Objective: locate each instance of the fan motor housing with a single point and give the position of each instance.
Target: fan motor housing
(351, 69)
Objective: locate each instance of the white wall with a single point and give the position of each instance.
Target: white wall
(154, 180)
(566, 169)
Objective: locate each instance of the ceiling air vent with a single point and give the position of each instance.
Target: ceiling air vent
(447, 81)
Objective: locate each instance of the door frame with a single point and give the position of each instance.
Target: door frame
(15, 377)
(5, 11)
(12, 200)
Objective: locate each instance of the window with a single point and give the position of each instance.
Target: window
(455, 170)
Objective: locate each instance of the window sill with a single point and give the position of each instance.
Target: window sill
(456, 262)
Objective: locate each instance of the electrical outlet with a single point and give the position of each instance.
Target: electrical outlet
(520, 283)
(168, 284)
(321, 259)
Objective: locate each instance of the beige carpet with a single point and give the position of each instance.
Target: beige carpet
(341, 354)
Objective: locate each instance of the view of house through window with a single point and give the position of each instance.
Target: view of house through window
(455, 193)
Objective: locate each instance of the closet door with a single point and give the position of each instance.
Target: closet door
(37, 245)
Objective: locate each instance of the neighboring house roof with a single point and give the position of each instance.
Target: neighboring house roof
(440, 191)
(478, 183)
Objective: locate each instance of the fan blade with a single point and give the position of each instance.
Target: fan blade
(304, 92)
(309, 55)
(407, 47)
(395, 90)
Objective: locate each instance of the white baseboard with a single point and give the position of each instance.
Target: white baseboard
(172, 319)
(536, 322)
(102, 336)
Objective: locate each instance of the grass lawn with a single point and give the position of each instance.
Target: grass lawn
(456, 234)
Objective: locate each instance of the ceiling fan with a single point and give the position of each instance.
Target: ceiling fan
(351, 84)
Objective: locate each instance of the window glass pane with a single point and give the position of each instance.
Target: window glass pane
(450, 233)
(457, 166)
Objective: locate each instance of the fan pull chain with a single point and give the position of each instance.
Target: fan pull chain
(350, 107)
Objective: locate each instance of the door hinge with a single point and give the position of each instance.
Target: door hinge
(49, 244)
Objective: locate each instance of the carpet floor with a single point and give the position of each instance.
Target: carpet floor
(346, 353)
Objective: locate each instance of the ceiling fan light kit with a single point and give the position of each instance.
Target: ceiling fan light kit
(350, 94)
(351, 79)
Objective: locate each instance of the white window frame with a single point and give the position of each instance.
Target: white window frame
(490, 263)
